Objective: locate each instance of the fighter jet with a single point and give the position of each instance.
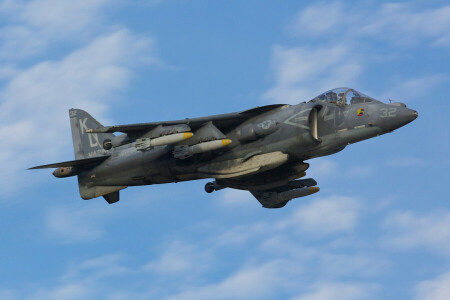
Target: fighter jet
(263, 150)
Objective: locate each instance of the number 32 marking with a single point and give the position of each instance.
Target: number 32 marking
(388, 112)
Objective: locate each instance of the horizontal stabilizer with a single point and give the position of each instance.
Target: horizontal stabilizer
(72, 163)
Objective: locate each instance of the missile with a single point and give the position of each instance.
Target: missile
(296, 193)
(185, 151)
(146, 143)
(279, 199)
(208, 146)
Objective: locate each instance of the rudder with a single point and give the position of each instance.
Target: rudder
(86, 145)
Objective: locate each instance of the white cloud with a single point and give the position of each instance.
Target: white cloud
(7, 295)
(302, 73)
(96, 268)
(269, 257)
(406, 230)
(19, 42)
(80, 224)
(62, 17)
(435, 289)
(85, 280)
(406, 162)
(338, 38)
(399, 23)
(337, 265)
(419, 88)
(319, 19)
(34, 25)
(70, 291)
(337, 291)
(34, 103)
(325, 216)
(180, 258)
(258, 282)
(8, 71)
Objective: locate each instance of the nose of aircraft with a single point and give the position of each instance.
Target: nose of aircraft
(393, 117)
(404, 116)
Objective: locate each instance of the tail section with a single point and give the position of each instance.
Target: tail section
(86, 145)
(89, 146)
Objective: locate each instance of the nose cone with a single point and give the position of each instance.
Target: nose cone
(393, 117)
(410, 115)
(406, 116)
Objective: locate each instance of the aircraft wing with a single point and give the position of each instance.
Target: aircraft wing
(222, 121)
(73, 163)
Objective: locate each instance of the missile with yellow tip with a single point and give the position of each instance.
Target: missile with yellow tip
(209, 146)
(145, 143)
(185, 151)
(297, 193)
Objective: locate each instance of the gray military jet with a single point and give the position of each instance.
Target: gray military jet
(262, 150)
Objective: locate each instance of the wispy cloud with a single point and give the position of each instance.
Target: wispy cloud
(33, 25)
(255, 282)
(104, 266)
(337, 42)
(400, 23)
(408, 230)
(34, 103)
(335, 291)
(325, 216)
(406, 162)
(7, 295)
(97, 60)
(84, 280)
(180, 258)
(404, 90)
(72, 225)
(304, 72)
(69, 291)
(283, 254)
(434, 289)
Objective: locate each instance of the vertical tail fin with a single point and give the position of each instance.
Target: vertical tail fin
(86, 145)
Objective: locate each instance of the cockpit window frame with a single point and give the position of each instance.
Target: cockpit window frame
(338, 96)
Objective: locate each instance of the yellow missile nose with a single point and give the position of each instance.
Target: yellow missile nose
(226, 142)
(187, 135)
(313, 190)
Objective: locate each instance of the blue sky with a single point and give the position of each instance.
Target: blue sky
(378, 229)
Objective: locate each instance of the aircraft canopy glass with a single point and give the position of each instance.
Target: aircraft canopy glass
(343, 96)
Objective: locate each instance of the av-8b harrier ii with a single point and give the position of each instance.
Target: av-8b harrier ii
(262, 150)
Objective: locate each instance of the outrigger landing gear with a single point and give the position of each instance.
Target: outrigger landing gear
(209, 187)
(213, 186)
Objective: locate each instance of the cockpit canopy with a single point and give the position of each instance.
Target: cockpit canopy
(343, 96)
